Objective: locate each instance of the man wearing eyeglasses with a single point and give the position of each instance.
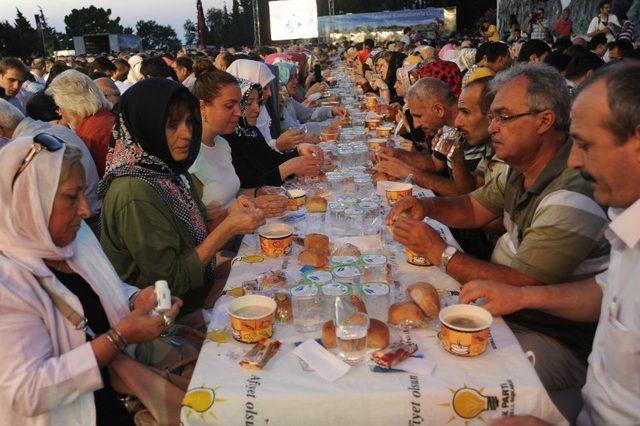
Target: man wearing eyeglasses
(554, 228)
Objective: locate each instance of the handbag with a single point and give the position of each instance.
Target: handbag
(159, 386)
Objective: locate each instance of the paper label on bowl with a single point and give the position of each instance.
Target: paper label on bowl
(343, 260)
(374, 289)
(374, 259)
(346, 271)
(304, 290)
(319, 277)
(335, 289)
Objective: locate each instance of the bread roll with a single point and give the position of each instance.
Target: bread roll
(347, 250)
(358, 303)
(312, 257)
(317, 242)
(316, 204)
(426, 297)
(378, 334)
(292, 205)
(406, 314)
(328, 338)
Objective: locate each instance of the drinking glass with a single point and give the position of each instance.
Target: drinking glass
(351, 333)
(307, 305)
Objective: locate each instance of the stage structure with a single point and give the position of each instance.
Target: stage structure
(388, 25)
(293, 19)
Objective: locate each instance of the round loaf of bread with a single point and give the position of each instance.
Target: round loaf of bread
(406, 314)
(317, 242)
(312, 257)
(426, 297)
(316, 205)
(377, 335)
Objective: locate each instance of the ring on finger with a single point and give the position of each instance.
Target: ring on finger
(168, 321)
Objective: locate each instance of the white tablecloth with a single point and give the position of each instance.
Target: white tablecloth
(501, 381)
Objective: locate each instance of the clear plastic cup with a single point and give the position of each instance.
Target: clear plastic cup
(307, 305)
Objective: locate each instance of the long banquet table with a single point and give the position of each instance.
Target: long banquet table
(459, 390)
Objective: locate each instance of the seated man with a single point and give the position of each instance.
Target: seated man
(432, 105)
(554, 228)
(606, 129)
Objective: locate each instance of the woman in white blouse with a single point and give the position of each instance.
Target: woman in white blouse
(53, 373)
(214, 175)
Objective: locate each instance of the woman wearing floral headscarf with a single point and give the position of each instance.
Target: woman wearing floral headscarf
(255, 162)
(153, 224)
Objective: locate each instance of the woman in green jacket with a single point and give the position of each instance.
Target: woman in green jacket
(153, 225)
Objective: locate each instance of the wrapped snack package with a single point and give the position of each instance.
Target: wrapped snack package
(260, 354)
(393, 354)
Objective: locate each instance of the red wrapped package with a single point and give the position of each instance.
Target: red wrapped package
(393, 354)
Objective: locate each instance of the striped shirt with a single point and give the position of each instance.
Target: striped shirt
(554, 229)
(555, 233)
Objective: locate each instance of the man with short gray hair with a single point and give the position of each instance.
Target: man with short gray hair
(432, 105)
(554, 228)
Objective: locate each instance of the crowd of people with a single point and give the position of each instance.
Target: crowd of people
(119, 171)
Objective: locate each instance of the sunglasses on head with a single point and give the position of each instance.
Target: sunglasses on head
(40, 141)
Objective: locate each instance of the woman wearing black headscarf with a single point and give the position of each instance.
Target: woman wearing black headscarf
(386, 64)
(256, 164)
(153, 225)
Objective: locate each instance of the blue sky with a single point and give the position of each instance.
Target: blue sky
(165, 12)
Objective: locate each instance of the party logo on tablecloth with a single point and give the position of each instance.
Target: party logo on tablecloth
(469, 403)
(200, 401)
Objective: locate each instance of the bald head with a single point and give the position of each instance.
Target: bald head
(109, 89)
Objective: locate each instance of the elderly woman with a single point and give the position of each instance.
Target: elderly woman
(294, 113)
(256, 164)
(86, 110)
(259, 73)
(52, 372)
(214, 176)
(153, 225)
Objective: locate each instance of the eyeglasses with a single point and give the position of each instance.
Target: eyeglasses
(503, 118)
(40, 141)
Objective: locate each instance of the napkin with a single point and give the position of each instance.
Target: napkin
(327, 365)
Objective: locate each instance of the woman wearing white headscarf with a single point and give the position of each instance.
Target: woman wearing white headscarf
(135, 62)
(259, 73)
(53, 373)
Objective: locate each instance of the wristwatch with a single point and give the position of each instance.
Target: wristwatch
(447, 254)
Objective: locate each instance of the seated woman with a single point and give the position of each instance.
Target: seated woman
(259, 73)
(386, 64)
(294, 113)
(213, 173)
(52, 372)
(256, 164)
(153, 225)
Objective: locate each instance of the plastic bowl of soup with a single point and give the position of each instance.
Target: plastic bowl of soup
(275, 239)
(252, 318)
(397, 191)
(464, 329)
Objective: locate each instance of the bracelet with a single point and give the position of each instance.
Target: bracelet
(116, 339)
(132, 300)
(255, 191)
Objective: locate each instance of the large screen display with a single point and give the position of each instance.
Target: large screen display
(293, 19)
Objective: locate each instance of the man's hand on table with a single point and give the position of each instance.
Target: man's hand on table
(410, 206)
(519, 421)
(419, 238)
(393, 166)
(500, 298)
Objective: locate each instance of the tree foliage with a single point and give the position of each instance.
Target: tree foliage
(157, 37)
(91, 20)
(190, 32)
